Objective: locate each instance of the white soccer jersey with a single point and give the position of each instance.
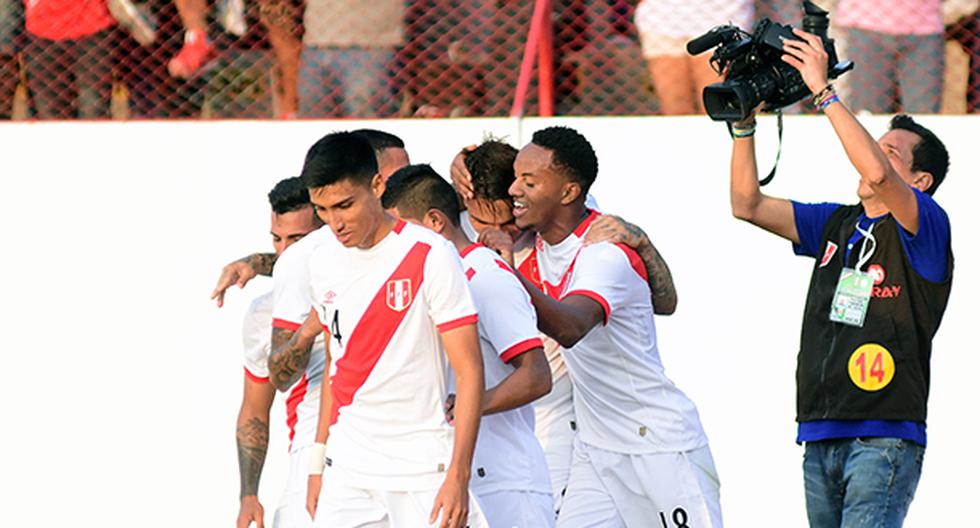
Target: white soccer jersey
(508, 456)
(255, 338)
(384, 308)
(623, 400)
(292, 299)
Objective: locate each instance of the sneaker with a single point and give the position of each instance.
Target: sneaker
(231, 16)
(193, 56)
(136, 19)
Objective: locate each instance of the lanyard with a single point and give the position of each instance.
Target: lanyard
(864, 255)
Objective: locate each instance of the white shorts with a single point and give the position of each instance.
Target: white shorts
(554, 425)
(291, 512)
(344, 506)
(518, 509)
(664, 489)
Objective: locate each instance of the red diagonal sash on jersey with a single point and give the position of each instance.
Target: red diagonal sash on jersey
(374, 331)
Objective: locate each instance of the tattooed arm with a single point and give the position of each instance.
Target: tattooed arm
(241, 271)
(291, 352)
(252, 437)
(609, 228)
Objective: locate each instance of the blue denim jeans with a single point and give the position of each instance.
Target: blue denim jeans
(860, 482)
(345, 82)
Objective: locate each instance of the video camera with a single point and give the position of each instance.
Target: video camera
(753, 67)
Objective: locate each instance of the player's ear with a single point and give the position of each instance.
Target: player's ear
(377, 185)
(570, 192)
(435, 220)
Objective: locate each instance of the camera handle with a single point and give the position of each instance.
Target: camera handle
(779, 149)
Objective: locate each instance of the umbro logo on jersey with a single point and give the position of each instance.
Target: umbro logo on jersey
(329, 297)
(828, 253)
(399, 294)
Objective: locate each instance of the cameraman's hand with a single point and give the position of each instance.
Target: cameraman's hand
(809, 57)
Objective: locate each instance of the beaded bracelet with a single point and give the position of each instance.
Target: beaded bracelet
(743, 132)
(827, 90)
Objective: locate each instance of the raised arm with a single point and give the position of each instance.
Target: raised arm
(877, 173)
(291, 352)
(748, 203)
(240, 272)
(613, 229)
(252, 437)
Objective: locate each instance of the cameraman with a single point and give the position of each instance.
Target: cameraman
(863, 370)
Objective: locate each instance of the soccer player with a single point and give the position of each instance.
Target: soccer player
(510, 473)
(397, 307)
(292, 219)
(640, 455)
(483, 177)
(391, 154)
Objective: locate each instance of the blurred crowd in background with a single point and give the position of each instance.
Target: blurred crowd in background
(137, 59)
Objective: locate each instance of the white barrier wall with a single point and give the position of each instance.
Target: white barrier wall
(123, 380)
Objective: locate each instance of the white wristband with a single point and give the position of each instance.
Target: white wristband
(318, 458)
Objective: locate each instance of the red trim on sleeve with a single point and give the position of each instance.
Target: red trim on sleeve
(456, 323)
(469, 273)
(635, 261)
(503, 265)
(283, 324)
(469, 249)
(584, 226)
(520, 348)
(399, 225)
(256, 379)
(595, 297)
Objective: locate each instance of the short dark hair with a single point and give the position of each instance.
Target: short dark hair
(339, 156)
(289, 195)
(929, 154)
(491, 167)
(380, 140)
(414, 189)
(571, 153)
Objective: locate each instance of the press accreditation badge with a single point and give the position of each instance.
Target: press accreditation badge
(851, 297)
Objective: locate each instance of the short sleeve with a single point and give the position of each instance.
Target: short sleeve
(928, 250)
(444, 287)
(606, 274)
(292, 292)
(256, 334)
(810, 220)
(507, 317)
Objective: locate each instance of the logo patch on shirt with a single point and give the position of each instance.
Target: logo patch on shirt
(329, 297)
(399, 294)
(877, 272)
(828, 253)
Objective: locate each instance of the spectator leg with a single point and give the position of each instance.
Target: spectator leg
(9, 76)
(703, 76)
(48, 78)
(193, 14)
(366, 87)
(93, 75)
(872, 80)
(280, 19)
(318, 82)
(673, 83)
(920, 73)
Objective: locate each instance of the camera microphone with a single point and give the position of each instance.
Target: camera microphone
(707, 41)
